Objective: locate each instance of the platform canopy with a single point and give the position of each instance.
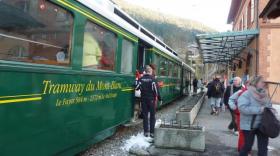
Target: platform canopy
(224, 47)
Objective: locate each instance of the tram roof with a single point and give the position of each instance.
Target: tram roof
(110, 11)
(224, 46)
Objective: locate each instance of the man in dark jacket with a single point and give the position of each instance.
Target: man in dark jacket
(149, 91)
(216, 92)
(187, 84)
(230, 90)
(195, 85)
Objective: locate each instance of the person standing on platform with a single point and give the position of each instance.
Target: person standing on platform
(216, 91)
(230, 90)
(187, 84)
(251, 105)
(149, 90)
(195, 82)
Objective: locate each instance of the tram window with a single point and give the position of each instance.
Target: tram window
(155, 59)
(179, 72)
(175, 71)
(127, 56)
(34, 31)
(163, 67)
(99, 49)
(170, 69)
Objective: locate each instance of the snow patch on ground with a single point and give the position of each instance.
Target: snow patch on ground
(138, 140)
(158, 123)
(270, 148)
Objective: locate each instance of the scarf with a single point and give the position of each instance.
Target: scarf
(260, 95)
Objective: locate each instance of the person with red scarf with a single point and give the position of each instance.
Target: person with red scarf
(233, 105)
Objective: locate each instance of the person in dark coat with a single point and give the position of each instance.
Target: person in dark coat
(195, 81)
(216, 92)
(230, 90)
(187, 84)
(149, 90)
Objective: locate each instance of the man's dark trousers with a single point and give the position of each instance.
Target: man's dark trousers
(148, 106)
(232, 124)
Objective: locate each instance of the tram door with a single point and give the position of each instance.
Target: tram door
(142, 55)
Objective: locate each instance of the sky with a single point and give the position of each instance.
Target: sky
(212, 13)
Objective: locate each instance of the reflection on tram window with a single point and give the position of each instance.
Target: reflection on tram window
(100, 46)
(34, 31)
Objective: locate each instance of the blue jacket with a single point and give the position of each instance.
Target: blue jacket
(249, 106)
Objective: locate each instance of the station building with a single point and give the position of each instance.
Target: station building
(251, 48)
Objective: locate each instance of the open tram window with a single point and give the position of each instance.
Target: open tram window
(35, 31)
(100, 47)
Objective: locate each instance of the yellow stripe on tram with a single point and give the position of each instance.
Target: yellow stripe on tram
(127, 89)
(20, 100)
(15, 96)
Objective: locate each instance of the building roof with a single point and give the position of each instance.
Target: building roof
(272, 9)
(234, 7)
(224, 47)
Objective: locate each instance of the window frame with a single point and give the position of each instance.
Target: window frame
(51, 66)
(117, 50)
(120, 52)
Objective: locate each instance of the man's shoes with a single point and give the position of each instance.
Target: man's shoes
(213, 111)
(152, 135)
(146, 135)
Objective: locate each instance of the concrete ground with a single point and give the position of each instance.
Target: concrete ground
(219, 141)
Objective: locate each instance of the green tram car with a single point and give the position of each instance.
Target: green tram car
(67, 73)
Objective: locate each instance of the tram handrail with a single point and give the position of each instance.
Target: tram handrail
(22, 39)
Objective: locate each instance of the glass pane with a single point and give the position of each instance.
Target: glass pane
(100, 46)
(170, 69)
(163, 67)
(127, 56)
(175, 71)
(34, 31)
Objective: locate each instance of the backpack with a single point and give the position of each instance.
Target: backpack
(216, 88)
(270, 125)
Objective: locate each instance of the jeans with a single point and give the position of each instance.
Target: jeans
(249, 137)
(148, 105)
(232, 124)
(215, 102)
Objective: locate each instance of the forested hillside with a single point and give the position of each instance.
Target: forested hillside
(174, 31)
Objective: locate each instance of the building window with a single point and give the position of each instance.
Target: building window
(100, 47)
(127, 56)
(245, 18)
(249, 14)
(33, 33)
(252, 10)
(242, 23)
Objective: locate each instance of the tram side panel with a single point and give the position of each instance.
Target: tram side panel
(168, 75)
